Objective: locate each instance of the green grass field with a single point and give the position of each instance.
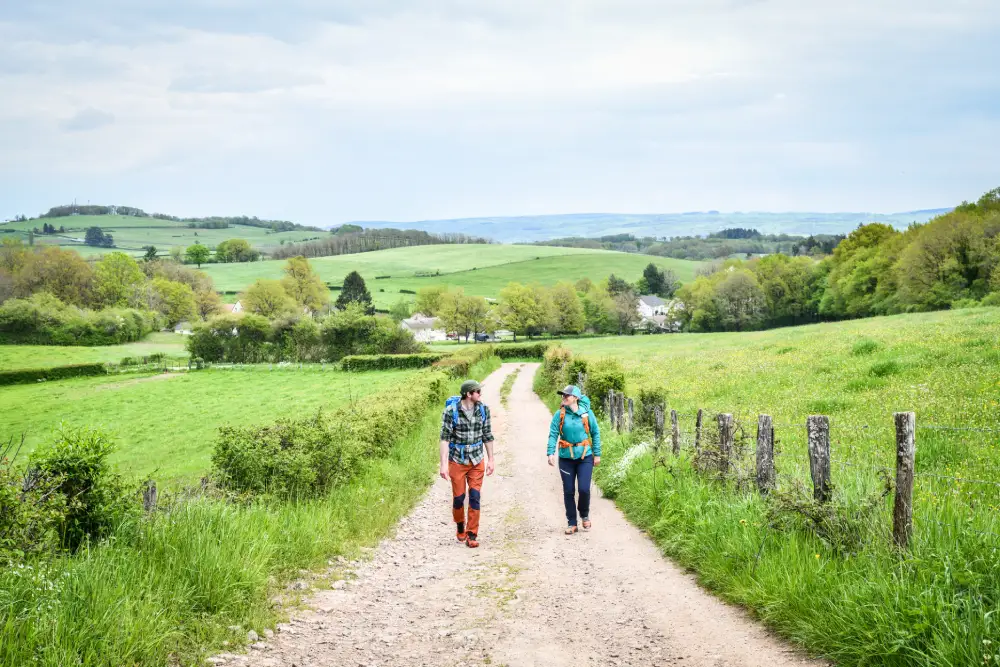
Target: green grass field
(131, 233)
(828, 577)
(482, 270)
(13, 357)
(165, 424)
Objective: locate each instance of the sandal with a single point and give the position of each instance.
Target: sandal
(570, 530)
(586, 524)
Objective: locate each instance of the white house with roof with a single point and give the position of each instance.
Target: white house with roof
(650, 305)
(232, 308)
(655, 314)
(424, 329)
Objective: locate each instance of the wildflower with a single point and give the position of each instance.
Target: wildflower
(817, 556)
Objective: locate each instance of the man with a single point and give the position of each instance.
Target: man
(465, 433)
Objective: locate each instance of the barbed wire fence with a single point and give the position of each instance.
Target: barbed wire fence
(852, 482)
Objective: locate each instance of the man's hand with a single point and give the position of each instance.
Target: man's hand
(552, 460)
(490, 467)
(597, 460)
(444, 473)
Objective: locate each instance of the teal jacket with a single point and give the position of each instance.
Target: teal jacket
(573, 432)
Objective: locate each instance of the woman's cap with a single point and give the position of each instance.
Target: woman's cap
(570, 390)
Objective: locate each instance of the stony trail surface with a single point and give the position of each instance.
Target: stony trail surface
(530, 595)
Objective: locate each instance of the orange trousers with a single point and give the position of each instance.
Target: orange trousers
(462, 476)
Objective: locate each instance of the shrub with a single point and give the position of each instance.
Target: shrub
(991, 299)
(885, 368)
(31, 511)
(649, 398)
(864, 347)
(605, 375)
(97, 499)
(576, 366)
(28, 375)
(45, 320)
(526, 351)
(382, 362)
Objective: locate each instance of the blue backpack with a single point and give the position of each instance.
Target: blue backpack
(453, 402)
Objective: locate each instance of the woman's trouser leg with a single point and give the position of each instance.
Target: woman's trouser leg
(584, 473)
(567, 471)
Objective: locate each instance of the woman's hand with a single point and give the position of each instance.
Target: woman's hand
(597, 460)
(552, 460)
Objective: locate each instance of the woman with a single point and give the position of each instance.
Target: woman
(575, 433)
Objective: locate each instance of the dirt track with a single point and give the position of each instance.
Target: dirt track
(529, 595)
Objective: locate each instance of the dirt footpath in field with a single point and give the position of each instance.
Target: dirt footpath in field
(529, 595)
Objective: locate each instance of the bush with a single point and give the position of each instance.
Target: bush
(576, 366)
(45, 320)
(992, 299)
(649, 398)
(307, 457)
(605, 375)
(527, 351)
(97, 499)
(31, 511)
(28, 375)
(382, 362)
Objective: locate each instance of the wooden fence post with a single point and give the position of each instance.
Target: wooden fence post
(765, 454)
(725, 442)
(607, 407)
(697, 432)
(675, 433)
(657, 425)
(631, 415)
(620, 411)
(818, 428)
(902, 509)
(149, 496)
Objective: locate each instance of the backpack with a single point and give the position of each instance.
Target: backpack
(586, 444)
(452, 404)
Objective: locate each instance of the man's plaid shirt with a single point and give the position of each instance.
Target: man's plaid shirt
(467, 438)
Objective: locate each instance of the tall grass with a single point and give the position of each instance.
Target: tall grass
(168, 588)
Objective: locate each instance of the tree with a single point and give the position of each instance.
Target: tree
(400, 311)
(62, 273)
(267, 298)
(355, 291)
(208, 303)
(567, 309)
(740, 301)
(176, 300)
(626, 305)
(302, 284)
(662, 283)
(236, 250)
(861, 281)
(197, 254)
(117, 279)
(599, 311)
(520, 310)
(150, 253)
(94, 236)
(428, 299)
(177, 254)
(617, 285)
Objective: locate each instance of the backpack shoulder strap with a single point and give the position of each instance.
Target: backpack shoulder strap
(586, 423)
(482, 412)
(562, 420)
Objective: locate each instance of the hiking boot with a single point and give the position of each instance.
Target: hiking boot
(460, 531)
(471, 541)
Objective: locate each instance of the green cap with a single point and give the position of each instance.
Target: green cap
(470, 386)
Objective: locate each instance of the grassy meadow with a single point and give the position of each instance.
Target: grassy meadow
(165, 424)
(14, 357)
(827, 576)
(482, 270)
(131, 233)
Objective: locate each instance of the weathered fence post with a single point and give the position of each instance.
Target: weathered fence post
(765, 454)
(818, 428)
(725, 442)
(697, 432)
(631, 415)
(657, 426)
(675, 433)
(620, 411)
(902, 509)
(581, 380)
(149, 496)
(613, 412)
(607, 408)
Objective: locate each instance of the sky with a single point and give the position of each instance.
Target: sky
(323, 112)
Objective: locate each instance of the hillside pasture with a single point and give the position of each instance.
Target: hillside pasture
(132, 233)
(165, 424)
(14, 357)
(482, 270)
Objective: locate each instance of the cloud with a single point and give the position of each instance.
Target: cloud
(87, 119)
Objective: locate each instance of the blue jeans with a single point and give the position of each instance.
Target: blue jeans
(576, 474)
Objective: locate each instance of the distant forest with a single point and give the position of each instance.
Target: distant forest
(350, 239)
(212, 222)
(722, 244)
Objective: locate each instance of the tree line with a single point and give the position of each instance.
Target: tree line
(950, 261)
(721, 244)
(211, 222)
(350, 239)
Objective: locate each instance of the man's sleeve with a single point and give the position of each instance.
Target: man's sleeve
(487, 425)
(595, 433)
(447, 428)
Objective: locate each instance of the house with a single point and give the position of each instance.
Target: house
(424, 328)
(650, 304)
(184, 328)
(232, 308)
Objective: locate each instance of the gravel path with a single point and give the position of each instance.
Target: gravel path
(529, 595)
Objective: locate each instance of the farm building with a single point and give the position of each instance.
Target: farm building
(424, 328)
